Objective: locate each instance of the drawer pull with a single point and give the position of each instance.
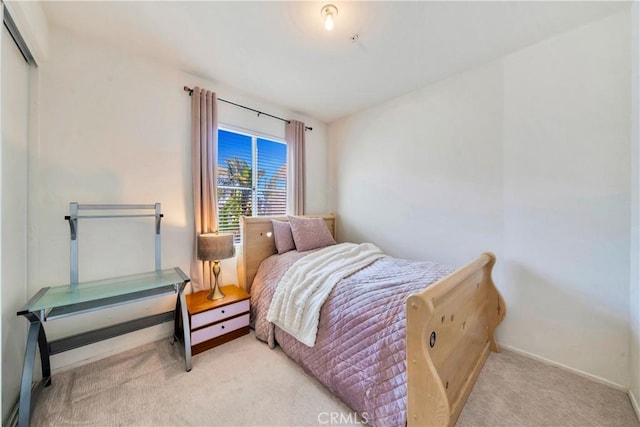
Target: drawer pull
(222, 326)
(222, 311)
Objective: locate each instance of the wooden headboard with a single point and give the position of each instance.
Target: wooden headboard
(256, 234)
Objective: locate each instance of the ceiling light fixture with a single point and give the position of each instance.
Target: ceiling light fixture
(328, 12)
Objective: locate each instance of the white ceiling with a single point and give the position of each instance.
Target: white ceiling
(280, 51)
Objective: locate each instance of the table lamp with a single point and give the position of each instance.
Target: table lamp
(214, 247)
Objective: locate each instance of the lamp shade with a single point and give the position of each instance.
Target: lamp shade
(215, 246)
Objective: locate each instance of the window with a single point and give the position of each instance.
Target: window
(252, 178)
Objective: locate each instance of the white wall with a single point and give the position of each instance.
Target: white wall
(567, 197)
(116, 129)
(634, 294)
(402, 188)
(527, 156)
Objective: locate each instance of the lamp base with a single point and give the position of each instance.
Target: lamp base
(216, 293)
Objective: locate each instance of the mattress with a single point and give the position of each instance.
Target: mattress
(359, 353)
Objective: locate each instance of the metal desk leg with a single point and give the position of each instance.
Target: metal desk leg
(29, 394)
(181, 310)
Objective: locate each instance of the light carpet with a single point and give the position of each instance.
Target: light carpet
(244, 383)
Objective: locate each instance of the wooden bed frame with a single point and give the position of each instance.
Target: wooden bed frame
(450, 327)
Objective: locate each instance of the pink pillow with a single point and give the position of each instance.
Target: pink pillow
(282, 236)
(310, 233)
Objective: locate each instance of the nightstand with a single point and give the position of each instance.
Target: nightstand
(216, 322)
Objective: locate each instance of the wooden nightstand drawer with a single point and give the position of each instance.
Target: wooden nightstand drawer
(217, 314)
(214, 331)
(212, 323)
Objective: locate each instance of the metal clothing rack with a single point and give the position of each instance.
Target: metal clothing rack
(81, 297)
(74, 216)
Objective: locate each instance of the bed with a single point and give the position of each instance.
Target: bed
(451, 318)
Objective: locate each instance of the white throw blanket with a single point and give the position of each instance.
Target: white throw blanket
(299, 295)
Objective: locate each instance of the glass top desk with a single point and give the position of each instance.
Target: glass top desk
(55, 302)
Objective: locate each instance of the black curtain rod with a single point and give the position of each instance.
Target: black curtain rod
(188, 89)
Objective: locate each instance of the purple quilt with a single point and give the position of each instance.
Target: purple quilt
(359, 353)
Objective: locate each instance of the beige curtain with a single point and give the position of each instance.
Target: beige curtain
(294, 136)
(204, 152)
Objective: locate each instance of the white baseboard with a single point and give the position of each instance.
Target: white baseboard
(634, 403)
(568, 368)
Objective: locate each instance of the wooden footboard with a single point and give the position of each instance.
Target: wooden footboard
(450, 332)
